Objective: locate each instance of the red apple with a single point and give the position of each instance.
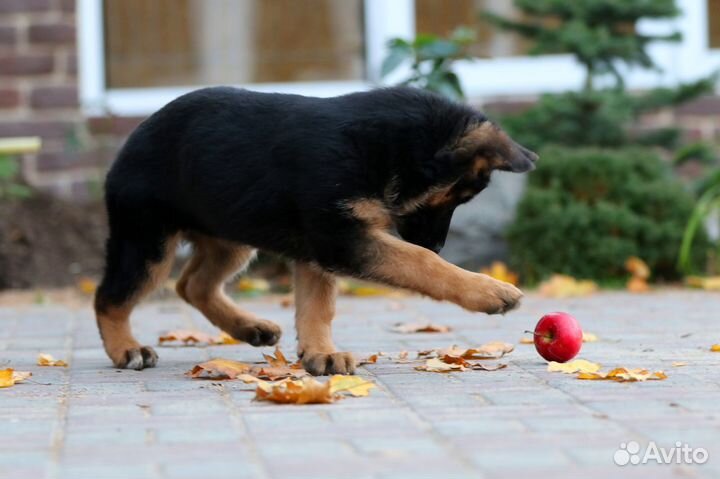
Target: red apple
(558, 337)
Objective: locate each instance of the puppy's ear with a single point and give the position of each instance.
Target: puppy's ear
(494, 149)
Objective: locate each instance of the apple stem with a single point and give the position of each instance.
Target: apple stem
(533, 333)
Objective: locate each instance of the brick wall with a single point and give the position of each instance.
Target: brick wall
(38, 96)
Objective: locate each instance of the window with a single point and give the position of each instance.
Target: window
(434, 16)
(199, 42)
(713, 15)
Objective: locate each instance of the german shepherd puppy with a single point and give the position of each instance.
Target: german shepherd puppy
(362, 185)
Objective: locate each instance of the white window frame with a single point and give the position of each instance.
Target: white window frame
(687, 60)
(383, 20)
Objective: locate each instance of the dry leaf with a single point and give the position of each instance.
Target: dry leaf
(402, 356)
(420, 328)
(500, 271)
(711, 283)
(624, 375)
(300, 391)
(273, 373)
(491, 350)
(48, 360)
(436, 365)
(372, 359)
(526, 340)
(86, 285)
(679, 364)
(353, 385)
(576, 366)
(219, 369)
(277, 361)
(562, 286)
(252, 285)
(637, 268)
(9, 377)
(715, 348)
(637, 285)
(589, 337)
(191, 337)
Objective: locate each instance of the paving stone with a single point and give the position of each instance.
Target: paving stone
(93, 421)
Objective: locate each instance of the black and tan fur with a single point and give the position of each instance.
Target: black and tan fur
(363, 185)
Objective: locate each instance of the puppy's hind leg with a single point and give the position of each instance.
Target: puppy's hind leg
(201, 284)
(135, 265)
(315, 308)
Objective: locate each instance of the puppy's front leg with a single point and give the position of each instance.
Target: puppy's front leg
(398, 263)
(315, 292)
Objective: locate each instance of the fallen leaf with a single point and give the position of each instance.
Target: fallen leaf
(9, 377)
(48, 360)
(402, 356)
(219, 369)
(679, 364)
(190, 337)
(253, 285)
(372, 359)
(277, 361)
(563, 286)
(225, 338)
(287, 301)
(589, 337)
(86, 285)
(436, 365)
(624, 375)
(353, 385)
(300, 391)
(715, 348)
(637, 285)
(186, 336)
(500, 271)
(491, 350)
(637, 268)
(711, 283)
(525, 340)
(407, 328)
(571, 367)
(273, 373)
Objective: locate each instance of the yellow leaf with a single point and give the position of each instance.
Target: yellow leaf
(219, 369)
(9, 377)
(48, 360)
(277, 361)
(711, 283)
(715, 348)
(678, 364)
(500, 271)
(525, 340)
(624, 375)
(637, 268)
(300, 391)
(420, 328)
(562, 286)
(491, 350)
(637, 285)
(86, 285)
(576, 366)
(253, 285)
(353, 385)
(372, 359)
(436, 365)
(589, 337)
(225, 338)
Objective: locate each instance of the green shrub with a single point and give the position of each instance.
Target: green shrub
(587, 210)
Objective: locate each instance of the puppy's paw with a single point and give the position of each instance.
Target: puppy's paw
(490, 296)
(257, 333)
(136, 358)
(321, 364)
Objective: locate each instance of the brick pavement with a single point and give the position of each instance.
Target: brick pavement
(92, 421)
